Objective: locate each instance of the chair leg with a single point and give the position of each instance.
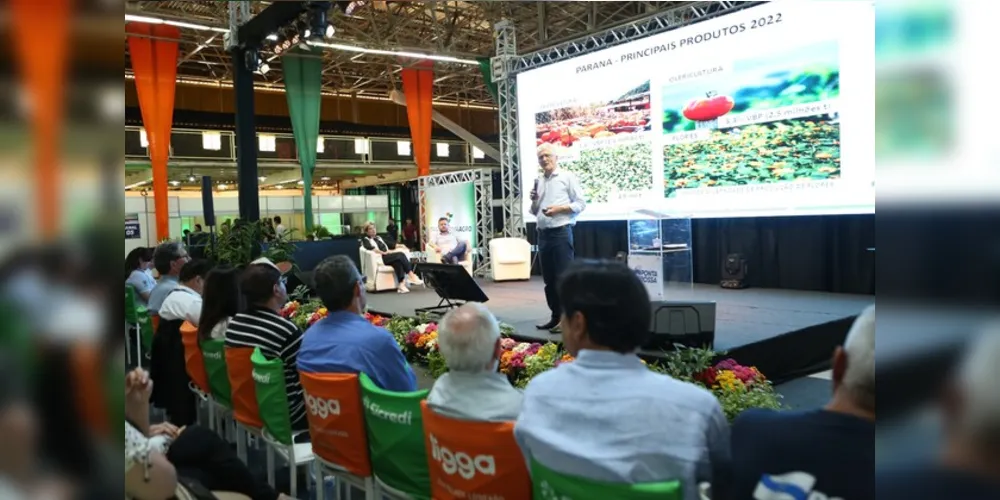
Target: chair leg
(138, 345)
(293, 477)
(270, 465)
(241, 444)
(128, 349)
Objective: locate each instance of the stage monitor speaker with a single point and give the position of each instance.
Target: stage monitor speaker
(691, 324)
(734, 272)
(302, 278)
(453, 285)
(207, 203)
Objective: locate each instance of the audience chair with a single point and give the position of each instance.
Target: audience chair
(396, 440)
(381, 277)
(510, 259)
(492, 465)
(337, 430)
(194, 364)
(214, 355)
(272, 399)
(246, 413)
(132, 325)
(548, 483)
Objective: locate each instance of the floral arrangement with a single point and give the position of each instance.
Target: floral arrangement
(737, 387)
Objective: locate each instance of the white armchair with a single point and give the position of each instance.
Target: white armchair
(434, 257)
(510, 258)
(380, 276)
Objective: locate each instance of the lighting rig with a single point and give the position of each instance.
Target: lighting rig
(309, 24)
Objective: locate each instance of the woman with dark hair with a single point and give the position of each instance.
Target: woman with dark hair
(221, 301)
(138, 264)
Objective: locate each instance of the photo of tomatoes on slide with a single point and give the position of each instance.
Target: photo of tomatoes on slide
(624, 114)
(708, 108)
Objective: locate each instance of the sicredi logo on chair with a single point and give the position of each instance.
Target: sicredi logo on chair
(322, 408)
(463, 464)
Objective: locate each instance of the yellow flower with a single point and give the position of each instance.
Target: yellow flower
(728, 381)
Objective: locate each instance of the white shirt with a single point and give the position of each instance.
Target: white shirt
(279, 230)
(183, 303)
(485, 397)
(560, 188)
(445, 242)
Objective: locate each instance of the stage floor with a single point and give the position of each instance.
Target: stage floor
(743, 316)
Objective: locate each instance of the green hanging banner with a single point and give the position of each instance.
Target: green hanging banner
(303, 82)
(487, 71)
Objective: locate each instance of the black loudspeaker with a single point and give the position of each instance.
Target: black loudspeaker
(207, 204)
(734, 272)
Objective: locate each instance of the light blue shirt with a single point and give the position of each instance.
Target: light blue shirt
(166, 285)
(344, 342)
(607, 417)
(481, 397)
(560, 188)
(143, 282)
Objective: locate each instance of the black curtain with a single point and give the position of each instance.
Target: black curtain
(822, 253)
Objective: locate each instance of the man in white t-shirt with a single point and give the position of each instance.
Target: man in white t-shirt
(279, 230)
(184, 303)
(452, 249)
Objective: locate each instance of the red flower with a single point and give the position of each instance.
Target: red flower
(707, 377)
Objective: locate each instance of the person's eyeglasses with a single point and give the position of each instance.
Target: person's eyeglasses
(544, 157)
(283, 281)
(363, 280)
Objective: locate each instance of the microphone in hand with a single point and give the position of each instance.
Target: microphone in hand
(534, 191)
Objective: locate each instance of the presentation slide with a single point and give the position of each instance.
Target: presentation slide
(765, 112)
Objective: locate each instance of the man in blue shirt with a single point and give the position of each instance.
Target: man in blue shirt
(344, 342)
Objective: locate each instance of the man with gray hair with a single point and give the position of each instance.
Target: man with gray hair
(168, 259)
(822, 453)
(469, 340)
(968, 465)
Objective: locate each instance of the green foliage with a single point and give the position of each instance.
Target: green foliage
(622, 168)
(507, 330)
(320, 232)
(740, 398)
(299, 294)
(239, 245)
(785, 151)
(305, 311)
(436, 364)
(685, 363)
(543, 361)
(401, 326)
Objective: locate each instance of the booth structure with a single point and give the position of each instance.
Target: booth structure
(660, 252)
(466, 199)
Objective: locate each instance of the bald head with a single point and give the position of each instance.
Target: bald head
(467, 338)
(854, 365)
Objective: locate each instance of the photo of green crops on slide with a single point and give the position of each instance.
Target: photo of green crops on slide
(625, 168)
(764, 121)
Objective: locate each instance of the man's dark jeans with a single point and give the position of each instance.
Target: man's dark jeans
(555, 251)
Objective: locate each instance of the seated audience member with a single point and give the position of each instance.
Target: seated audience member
(137, 265)
(968, 465)
(469, 340)
(262, 325)
(821, 451)
(184, 302)
(606, 416)
(344, 341)
(168, 258)
(159, 457)
(222, 300)
(452, 249)
(394, 258)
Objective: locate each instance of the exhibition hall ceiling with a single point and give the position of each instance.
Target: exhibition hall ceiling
(459, 29)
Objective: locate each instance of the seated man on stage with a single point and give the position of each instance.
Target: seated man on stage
(606, 416)
(473, 389)
(394, 258)
(344, 341)
(452, 249)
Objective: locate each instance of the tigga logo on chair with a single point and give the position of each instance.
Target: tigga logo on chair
(322, 408)
(791, 486)
(463, 464)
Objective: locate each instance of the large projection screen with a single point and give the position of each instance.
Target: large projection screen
(764, 112)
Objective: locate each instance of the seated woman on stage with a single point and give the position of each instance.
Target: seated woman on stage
(394, 258)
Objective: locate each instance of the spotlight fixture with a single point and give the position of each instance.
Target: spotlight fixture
(264, 68)
(319, 28)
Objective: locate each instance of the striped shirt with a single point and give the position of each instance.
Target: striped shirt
(277, 337)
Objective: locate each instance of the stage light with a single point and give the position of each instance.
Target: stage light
(272, 37)
(175, 183)
(330, 31)
(191, 179)
(264, 68)
(318, 27)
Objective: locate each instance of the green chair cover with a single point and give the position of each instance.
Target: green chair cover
(145, 328)
(116, 401)
(272, 396)
(130, 305)
(396, 438)
(550, 485)
(214, 353)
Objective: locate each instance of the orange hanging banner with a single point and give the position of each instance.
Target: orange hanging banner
(418, 87)
(41, 55)
(153, 50)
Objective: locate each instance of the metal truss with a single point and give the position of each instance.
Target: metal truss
(482, 179)
(462, 29)
(507, 64)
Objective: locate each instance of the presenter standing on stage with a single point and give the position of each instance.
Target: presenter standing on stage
(556, 201)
